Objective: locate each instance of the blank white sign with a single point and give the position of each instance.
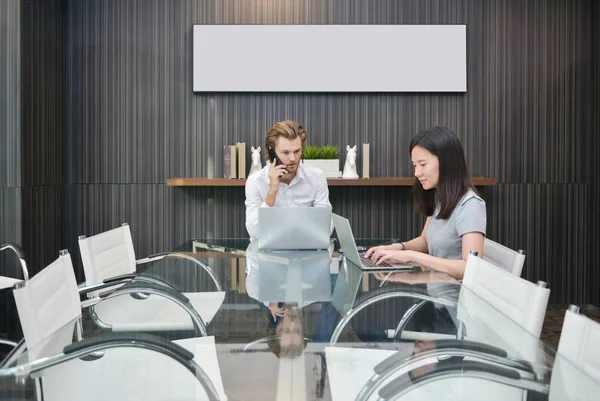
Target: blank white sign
(330, 58)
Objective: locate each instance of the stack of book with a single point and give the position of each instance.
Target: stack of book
(234, 160)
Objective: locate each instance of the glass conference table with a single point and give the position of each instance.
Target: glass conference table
(304, 325)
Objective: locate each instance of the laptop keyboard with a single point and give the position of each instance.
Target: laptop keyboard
(369, 263)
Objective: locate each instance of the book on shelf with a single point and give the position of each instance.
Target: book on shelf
(234, 275)
(241, 153)
(227, 161)
(366, 161)
(242, 275)
(233, 173)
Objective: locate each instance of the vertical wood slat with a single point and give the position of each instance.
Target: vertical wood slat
(43, 126)
(10, 140)
(132, 121)
(43, 131)
(10, 62)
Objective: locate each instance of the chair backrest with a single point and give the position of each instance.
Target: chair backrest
(580, 343)
(503, 257)
(576, 368)
(520, 300)
(107, 254)
(48, 301)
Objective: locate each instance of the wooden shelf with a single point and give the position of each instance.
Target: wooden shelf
(205, 182)
(333, 182)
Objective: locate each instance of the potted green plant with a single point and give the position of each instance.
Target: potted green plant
(323, 158)
(312, 152)
(330, 152)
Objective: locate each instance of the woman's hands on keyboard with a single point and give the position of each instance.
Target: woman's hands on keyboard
(371, 251)
(392, 257)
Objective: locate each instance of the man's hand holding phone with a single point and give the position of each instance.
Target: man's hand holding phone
(277, 170)
(275, 174)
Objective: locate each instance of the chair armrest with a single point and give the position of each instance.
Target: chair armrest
(83, 290)
(155, 280)
(15, 247)
(189, 257)
(14, 354)
(11, 344)
(455, 350)
(440, 345)
(135, 287)
(141, 286)
(450, 368)
(382, 294)
(120, 340)
(152, 258)
(121, 279)
(110, 338)
(20, 254)
(118, 279)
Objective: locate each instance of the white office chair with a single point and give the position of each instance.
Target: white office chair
(499, 255)
(513, 300)
(489, 332)
(7, 282)
(504, 257)
(109, 261)
(576, 370)
(520, 300)
(122, 364)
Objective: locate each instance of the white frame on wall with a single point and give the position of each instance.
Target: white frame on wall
(329, 58)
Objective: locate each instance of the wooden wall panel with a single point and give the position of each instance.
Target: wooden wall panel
(528, 118)
(43, 126)
(10, 61)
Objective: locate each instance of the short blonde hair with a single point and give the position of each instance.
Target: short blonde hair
(288, 129)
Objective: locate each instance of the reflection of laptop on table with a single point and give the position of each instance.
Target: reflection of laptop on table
(344, 232)
(286, 228)
(300, 276)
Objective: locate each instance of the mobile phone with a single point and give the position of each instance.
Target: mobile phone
(273, 156)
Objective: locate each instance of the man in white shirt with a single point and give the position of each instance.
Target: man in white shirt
(289, 184)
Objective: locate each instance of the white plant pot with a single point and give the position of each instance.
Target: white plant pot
(331, 167)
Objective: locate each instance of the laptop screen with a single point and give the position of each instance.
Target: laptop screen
(283, 228)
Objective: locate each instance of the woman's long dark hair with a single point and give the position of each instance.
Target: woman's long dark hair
(454, 178)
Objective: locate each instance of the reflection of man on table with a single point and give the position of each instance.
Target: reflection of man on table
(274, 279)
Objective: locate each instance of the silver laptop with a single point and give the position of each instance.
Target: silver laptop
(344, 232)
(288, 228)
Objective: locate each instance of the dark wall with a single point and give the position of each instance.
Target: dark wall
(121, 105)
(10, 156)
(593, 162)
(32, 138)
(525, 120)
(10, 19)
(10, 139)
(43, 130)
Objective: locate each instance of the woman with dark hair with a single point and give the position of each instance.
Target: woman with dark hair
(456, 216)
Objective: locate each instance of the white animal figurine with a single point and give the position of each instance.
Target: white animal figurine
(256, 164)
(350, 165)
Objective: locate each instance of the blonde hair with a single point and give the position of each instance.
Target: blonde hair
(288, 129)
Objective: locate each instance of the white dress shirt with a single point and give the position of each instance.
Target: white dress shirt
(307, 188)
